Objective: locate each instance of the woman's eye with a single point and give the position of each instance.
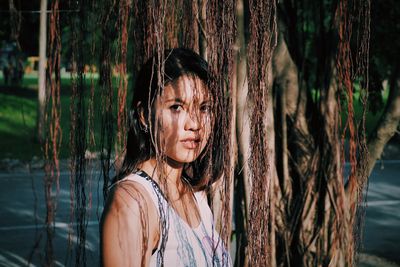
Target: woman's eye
(176, 107)
(205, 108)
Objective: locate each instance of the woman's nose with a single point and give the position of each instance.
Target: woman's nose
(192, 122)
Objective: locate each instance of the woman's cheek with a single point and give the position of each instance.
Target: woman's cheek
(171, 123)
(169, 117)
(207, 126)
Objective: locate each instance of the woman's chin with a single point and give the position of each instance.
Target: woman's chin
(182, 159)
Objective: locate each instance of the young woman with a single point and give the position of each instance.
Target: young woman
(157, 212)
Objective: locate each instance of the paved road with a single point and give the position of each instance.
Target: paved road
(21, 228)
(22, 215)
(382, 225)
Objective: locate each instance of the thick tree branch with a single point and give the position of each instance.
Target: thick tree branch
(388, 123)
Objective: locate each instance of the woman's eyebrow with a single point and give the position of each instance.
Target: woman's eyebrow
(175, 100)
(206, 101)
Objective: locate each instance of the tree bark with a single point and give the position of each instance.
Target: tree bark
(202, 7)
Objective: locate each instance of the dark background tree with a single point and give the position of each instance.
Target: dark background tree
(312, 82)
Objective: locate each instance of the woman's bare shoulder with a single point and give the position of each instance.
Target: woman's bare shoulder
(130, 195)
(129, 226)
(129, 221)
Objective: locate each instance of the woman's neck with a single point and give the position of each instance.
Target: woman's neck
(168, 174)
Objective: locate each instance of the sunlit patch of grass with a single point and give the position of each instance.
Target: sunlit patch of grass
(18, 111)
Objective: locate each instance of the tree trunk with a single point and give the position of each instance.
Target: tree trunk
(42, 72)
(242, 118)
(242, 128)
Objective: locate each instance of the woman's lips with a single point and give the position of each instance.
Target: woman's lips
(191, 143)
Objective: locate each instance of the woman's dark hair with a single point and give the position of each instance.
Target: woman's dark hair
(178, 62)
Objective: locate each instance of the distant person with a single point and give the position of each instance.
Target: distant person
(157, 212)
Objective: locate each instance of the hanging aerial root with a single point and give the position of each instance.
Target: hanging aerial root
(221, 17)
(123, 23)
(262, 41)
(53, 128)
(352, 68)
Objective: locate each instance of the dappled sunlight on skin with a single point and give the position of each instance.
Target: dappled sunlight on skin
(184, 120)
(182, 123)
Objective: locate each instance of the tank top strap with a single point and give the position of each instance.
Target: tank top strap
(150, 186)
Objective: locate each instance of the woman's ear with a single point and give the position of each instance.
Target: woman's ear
(141, 115)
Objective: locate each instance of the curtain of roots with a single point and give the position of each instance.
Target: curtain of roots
(156, 26)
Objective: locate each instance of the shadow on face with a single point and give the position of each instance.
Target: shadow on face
(184, 118)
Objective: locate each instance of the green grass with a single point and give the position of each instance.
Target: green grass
(17, 124)
(18, 120)
(18, 111)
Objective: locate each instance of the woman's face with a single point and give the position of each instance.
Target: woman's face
(183, 113)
